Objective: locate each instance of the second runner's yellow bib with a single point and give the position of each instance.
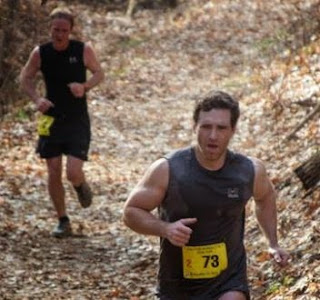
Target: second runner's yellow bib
(44, 124)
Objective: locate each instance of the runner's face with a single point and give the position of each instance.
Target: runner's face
(60, 32)
(213, 132)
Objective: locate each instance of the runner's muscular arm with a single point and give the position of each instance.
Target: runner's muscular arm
(266, 211)
(145, 197)
(27, 77)
(92, 63)
(97, 75)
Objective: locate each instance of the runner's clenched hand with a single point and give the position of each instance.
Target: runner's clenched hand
(77, 89)
(178, 233)
(43, 104)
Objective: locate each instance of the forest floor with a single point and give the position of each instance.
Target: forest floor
(156, 65)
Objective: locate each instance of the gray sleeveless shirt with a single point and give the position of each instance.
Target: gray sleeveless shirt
(217, 199)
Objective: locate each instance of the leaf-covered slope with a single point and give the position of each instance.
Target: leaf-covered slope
(156, 65)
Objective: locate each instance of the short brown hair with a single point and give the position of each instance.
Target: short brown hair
(217, 100)
(62, 13)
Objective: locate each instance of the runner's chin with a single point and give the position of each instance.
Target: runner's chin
(212, 152)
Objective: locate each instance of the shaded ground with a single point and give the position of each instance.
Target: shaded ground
(156, 66)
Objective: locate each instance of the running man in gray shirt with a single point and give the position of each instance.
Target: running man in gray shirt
(201, 193)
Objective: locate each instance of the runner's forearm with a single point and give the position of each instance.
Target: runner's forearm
(144, 222)
(28, 86)
(267, 217)
(94, 80)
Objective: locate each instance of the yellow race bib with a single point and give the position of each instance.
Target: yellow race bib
(207, 261)
(44, 124)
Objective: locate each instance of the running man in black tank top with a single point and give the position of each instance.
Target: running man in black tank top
(64, 125)
(201, 193)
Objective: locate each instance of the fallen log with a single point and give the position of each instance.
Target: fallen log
(305, 120)
(132, 4)
(309, 172)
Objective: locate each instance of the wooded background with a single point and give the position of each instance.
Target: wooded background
(157, 60)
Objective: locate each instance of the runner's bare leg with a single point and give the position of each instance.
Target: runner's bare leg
(75, 172)
(55, 186)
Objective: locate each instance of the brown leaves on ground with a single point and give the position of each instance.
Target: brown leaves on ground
(156, 65)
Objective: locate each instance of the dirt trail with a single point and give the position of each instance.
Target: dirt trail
(156, 65)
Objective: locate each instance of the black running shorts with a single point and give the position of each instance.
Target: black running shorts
(49, 149)
(66, 137)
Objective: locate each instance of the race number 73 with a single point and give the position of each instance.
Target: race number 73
(212, 260)
(207, 261)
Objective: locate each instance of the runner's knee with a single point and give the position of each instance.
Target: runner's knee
(233, 295)
(75, 175)
(54, 169)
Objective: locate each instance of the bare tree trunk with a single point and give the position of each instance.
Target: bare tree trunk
(1, 55)
(10, 8)
(131, 6)
(1, 72)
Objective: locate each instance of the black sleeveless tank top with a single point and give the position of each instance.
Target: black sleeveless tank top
(217, 199)
(60, 68)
